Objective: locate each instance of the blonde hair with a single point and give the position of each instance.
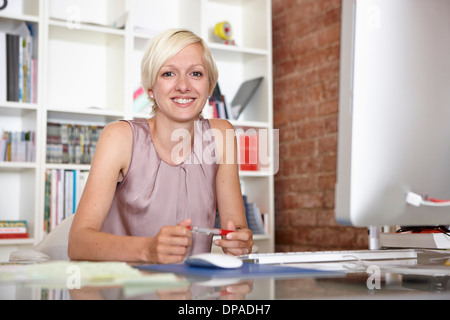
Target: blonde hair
(167, 45)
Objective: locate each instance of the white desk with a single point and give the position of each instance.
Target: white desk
(420, 280)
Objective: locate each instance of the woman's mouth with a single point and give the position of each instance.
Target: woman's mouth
(183, 101)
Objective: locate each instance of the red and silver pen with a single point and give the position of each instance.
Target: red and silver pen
(219, 232)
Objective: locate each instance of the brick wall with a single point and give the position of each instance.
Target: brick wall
(306, 37)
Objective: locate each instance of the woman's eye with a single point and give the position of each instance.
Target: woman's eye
(197, 74)
(167, 74)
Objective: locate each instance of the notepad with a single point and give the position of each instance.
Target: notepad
(248, 270)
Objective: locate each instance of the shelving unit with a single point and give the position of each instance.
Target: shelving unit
(87, 73)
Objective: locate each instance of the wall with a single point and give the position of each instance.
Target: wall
(306, 37)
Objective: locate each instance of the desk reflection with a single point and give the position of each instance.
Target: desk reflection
(234, 291)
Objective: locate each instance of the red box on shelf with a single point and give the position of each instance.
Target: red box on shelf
(248, 152)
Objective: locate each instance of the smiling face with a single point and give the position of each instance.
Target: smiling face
(182, 85)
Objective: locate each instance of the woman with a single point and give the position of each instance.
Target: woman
(152, 179)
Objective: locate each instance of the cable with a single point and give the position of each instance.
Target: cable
(417, 200)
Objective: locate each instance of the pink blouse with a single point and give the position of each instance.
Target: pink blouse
(154, 193)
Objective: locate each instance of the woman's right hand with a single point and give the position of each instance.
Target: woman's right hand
(171, 244)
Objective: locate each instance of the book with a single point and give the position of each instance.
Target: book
(63, 189)
(68, 143)
(3, 66)
(14, 235)
(13, 229)
(245, 93)
(17, 146)
(18, 51)
(415, 240)
(254, 218)
(13, 223)
(217, 108)
(12, 72)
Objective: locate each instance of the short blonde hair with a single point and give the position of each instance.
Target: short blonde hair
(167, 45)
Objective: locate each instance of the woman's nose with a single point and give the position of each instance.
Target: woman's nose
(183, 84)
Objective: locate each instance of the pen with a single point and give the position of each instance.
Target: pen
(220, 232)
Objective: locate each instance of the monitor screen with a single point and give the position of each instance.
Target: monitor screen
(394, 112)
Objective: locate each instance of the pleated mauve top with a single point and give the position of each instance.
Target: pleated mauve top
(154, 193)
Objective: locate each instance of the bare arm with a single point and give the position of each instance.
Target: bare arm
(87, 241)
(229, 196)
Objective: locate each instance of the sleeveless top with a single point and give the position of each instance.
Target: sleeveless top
(154, 193)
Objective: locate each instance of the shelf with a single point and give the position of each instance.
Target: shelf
(237, 49)
(17, 166)
(13, 242)
(258, 173)
(92, 72)
(88, 72)
(250, 21)
(258, 237)
(87, 112)
(250, 124)
(17, 109)
(20, 17)
(87, 27)
(67, 166)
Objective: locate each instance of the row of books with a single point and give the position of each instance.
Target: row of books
(17, 146)
(217, 108)
(63, 189)
(13, 229)
(17, 58)
(67, 143)
(257, 221)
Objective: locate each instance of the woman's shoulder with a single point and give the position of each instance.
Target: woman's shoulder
(221, 124)
(116, 129)
(117, 134)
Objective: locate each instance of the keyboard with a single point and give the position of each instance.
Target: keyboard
(328, 256)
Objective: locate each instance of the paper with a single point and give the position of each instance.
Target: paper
(75, 275)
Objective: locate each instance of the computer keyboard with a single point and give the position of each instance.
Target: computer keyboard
(328, 256)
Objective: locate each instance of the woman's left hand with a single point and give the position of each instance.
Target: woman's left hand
(238, 242)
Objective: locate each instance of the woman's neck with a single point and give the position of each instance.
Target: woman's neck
(173, 140)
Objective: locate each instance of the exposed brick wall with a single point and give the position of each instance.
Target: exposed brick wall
(306, 48)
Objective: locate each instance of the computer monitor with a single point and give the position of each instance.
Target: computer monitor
(394, 112)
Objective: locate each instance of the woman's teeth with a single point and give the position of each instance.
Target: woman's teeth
(183, 101)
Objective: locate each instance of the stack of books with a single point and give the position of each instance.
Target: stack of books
(13, 229)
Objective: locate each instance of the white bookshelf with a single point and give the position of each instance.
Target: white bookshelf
(88, 71)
